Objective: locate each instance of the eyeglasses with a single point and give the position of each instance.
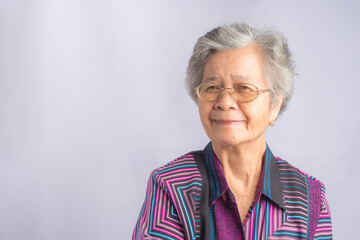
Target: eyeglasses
(241, 92)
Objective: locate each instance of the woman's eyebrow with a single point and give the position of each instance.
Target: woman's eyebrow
(235, 78)
(210, 79)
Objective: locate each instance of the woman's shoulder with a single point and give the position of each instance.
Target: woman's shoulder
(287, 169)
(183, 160)
(183, 167)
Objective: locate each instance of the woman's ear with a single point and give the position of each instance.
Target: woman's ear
(275, 108)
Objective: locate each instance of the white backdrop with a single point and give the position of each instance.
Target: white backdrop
(92, 99)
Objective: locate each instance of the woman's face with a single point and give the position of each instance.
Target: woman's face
(226, 121)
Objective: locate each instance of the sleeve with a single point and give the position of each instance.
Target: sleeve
(324, 226)
(158, 217)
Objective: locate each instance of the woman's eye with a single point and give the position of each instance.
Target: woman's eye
(212, 88)
(242, 88)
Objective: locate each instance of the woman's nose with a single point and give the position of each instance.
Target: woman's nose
(226, 101)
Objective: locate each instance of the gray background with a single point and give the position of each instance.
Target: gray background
(92, 99)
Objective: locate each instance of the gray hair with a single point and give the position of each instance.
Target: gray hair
(279, 66)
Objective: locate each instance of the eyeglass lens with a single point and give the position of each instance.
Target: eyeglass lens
(242, 92)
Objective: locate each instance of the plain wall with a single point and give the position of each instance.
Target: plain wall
(92, 99)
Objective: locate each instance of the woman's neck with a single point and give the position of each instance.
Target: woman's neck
(242, 164)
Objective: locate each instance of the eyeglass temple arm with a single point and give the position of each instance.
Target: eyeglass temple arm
(260, 91)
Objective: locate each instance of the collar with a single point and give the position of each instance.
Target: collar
(270, 179)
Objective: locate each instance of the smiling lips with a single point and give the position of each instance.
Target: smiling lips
(227, 121)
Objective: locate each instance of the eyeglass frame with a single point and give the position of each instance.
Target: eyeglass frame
(231, 90)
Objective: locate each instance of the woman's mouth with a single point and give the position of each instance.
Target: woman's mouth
(227, 121)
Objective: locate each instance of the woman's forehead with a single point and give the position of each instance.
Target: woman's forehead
(238, 65)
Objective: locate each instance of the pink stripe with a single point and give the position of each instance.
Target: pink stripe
(298, 192)
(163, 214)
(323, 229)
(271, 220)
(297, 182)
(184, 170)
(155, 221)
(148, 194)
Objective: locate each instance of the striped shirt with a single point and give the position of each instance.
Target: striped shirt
(173, 207)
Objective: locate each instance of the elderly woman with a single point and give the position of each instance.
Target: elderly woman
(241, 79)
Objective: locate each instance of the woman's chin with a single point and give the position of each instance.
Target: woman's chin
(229, 140)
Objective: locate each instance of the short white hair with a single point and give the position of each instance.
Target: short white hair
(279, 66)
